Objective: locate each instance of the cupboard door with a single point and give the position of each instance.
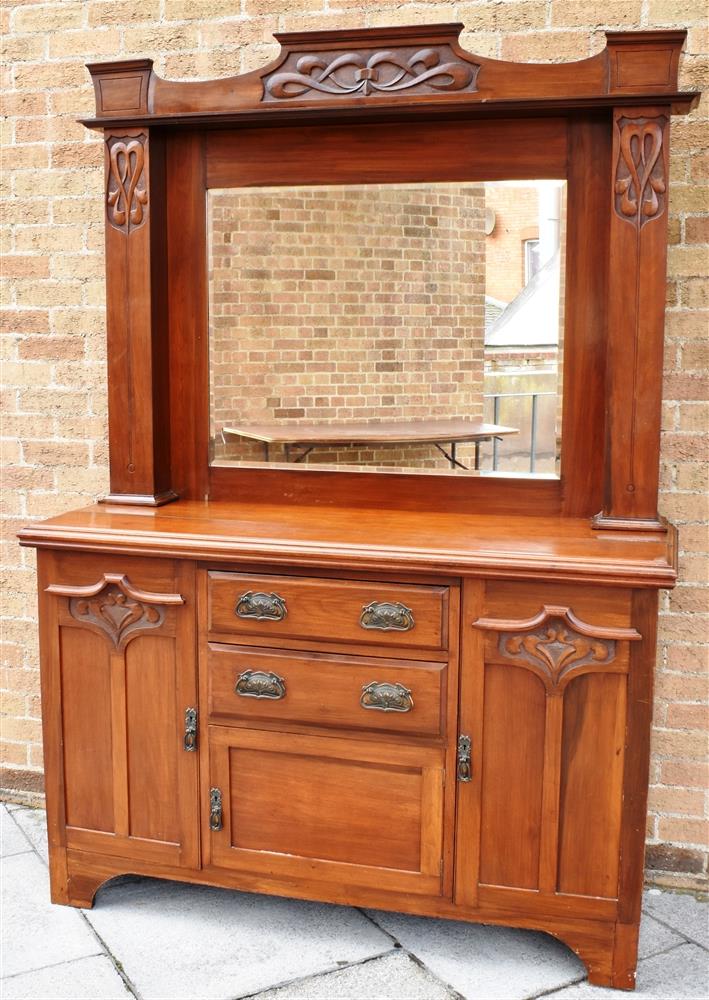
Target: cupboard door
(544, 697)
(119, 673)
(364, 813)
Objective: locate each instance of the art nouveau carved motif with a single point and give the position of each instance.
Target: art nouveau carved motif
(556, 645)
(640, 182)
(126, 194)
(116, 608)
(117, 614)
(555, 649)
(359, 74)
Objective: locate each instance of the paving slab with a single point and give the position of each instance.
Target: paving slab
(655, 937)
(485, 963)
(83, 979)
(33, 823)
(12, 839)
(684, 913)
(679, 974)
(392, 977)
(36, 933)
(189, 941)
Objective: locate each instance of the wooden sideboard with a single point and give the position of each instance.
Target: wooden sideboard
(420, 693)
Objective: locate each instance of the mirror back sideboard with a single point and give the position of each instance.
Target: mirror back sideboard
(421, 692)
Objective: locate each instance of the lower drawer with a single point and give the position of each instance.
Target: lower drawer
(399, 696)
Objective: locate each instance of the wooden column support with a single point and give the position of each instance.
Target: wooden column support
(636, 315)
(139, 424)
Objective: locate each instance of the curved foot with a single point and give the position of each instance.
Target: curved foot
(82, 889)
(609, 952)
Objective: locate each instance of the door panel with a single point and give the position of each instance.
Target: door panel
(121, 660)
(328, 808)
(512, 768)
(544, 675)
(590, 807)
(87, 743)
(153, 738)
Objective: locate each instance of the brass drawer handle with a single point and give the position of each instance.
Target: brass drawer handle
(387, 617)
(259, 684)
(386, 697)
(262, 607)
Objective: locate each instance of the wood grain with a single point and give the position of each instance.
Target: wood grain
(325, 690)
(315, 608)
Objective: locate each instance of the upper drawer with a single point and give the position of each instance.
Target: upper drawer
(326, 610)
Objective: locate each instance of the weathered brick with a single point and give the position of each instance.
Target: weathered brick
(684, 774)
(47, 18)
(120, 12)
(676, 801)
(25, 266)
(674, 12)
(684, 831)
(547, 46)
(89, 42)
(595, 13)
(688, 717)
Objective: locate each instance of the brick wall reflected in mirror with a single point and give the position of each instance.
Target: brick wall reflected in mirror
(396, 305)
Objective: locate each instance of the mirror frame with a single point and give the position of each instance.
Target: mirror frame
(601, 124)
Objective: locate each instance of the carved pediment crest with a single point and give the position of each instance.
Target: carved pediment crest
(430, 69)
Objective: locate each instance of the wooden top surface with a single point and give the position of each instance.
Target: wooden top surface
(385, 432)
(373, 540)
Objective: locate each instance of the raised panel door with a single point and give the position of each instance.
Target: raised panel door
(119, 661)
(295, 806)
(544, 684)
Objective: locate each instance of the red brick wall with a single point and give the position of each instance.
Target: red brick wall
(344, 304)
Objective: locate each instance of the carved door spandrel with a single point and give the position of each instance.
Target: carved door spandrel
(548, 721)
(123, 667)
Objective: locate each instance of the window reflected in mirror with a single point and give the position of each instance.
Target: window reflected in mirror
(395, 326)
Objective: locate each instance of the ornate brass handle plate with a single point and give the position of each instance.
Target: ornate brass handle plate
(215, 809)
(387, 616)
(464, 767)
(189, 740)
(262, 607)
(259, 684)
(386, 697)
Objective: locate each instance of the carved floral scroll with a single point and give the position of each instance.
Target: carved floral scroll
(640, 182)
(360, 74)
(126, 192)
(116, 608)
(557, 645)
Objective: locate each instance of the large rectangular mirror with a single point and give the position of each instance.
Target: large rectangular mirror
(388, 326)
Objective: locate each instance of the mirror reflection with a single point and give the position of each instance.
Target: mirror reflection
(388, 326)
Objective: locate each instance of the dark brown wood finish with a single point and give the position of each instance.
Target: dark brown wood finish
(268, 684)
(136, 252)
(636, 315)
(437, 79)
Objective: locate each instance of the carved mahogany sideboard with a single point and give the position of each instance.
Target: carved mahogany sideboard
(430, 695)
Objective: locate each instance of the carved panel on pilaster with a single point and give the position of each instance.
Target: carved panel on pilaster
(557, 646)
(115, 608)
(432, 69)
(640, 183)
(126, 189)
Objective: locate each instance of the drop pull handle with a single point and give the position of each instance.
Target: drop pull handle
(464, 770)
(189, 740)
(215, 809)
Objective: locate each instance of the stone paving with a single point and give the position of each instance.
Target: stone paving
(157, 940)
